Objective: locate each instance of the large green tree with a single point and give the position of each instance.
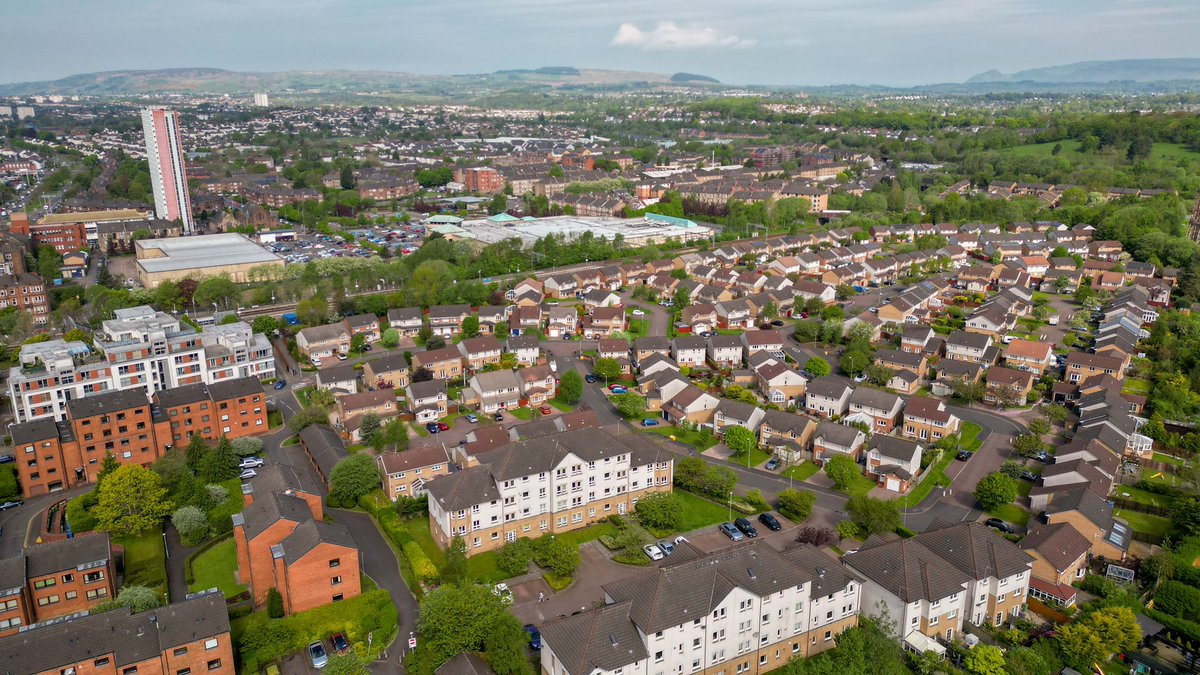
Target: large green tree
(661, 510)
(131, 500)
(739, 439)
(995, 490)
(351, 478)
(570, 386)
(458, 618)
(873, 516)
(842, 470)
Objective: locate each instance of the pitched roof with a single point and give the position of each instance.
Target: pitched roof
(394, 462)
(106, 402)
(1059, 543)
(975, 549)
(312, 533)
(603, 639)
(907, 568)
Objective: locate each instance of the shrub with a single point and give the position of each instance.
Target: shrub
(351, 478)
(795, 505)
(274, 604)
(848, 530)
(249, 445)
(817, 536)
(8, 482)
(556, 555)
(371, 612)
(661, 510)
(79, 514)
(138, 598)
(217, 493)
(422, 566)
(755, 499)
(191, 523)
(515, 556)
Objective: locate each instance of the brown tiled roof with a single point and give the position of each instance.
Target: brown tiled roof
(394, 462)
(1059, 543)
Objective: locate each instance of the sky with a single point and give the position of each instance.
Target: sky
(790, 42)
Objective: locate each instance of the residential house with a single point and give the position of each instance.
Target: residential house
(339, 379)
(913, 362)
(496, 390)
(786, 434)
(492, 320)
(734, 314)
(601, 298)
(644, 347)
(1060, 557)
(701, 318)
(827, 397)
(389, 371)
(406, 473)
(770, 341)
(602, 322)
(736, 413)
(617, 350)
(928, 420)
(894, 462)
(447, 320)
(877, 409)
(831, 439)
(964, 346)
(1032, 357)
(428, 400)
(916, 339)
(381, 402)
(561, 321)
(1091, 514)
(526, 348)
(781, 384)
(366, 325)
(445, 363)
(525, 318)
(538, 384)
(1006, 384)
(689, 404)
(561, 286)
(320, 342)
(1081, 365)
(479, 352)
(406, 320)
(688, 351)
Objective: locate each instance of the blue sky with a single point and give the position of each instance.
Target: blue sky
(804, 42)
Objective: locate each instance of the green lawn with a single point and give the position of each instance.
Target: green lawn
(694, 439)
(1136, 386)
(1168, 459)
(1011, 513)
(521, 413)
(757, 457)
(420, 429)
(1141, 496)
(145, 560)
(561, 404)
(968, 436)
(1145, 523)
(304, 396)
(274, 419)
(214, 569)
(802, 471)
(933, 479)
(861, 485)
(699, 513)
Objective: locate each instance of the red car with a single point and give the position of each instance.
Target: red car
(615, 385)
(442, 426)
(545, 410)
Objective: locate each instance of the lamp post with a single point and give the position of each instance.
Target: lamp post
(731, 505)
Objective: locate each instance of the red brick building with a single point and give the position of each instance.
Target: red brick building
(55, 579)
(53, 456)
(481, 179)
(185, 637)
(283, 543)
(26, 292)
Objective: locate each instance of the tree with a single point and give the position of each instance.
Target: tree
(1028, 445)
(878, 374)
(357, 342)
(191, 523)
(842, 470)
(265, 324)
(967, 390)
(470, 326)
(873, 516)
(556, 555)
(515, 556)
(49, 263)
(346, 178)
(995, 490)
(609, 369)
(274, 603)
(796, 506)
(817, 367)
(138, 599)
(435, 342)
(196, 451)
(247, 446)
(308, 417)
(661, 511)
(107, 465)
(739, 439)
(570, 386)
(629, 405)
(455, 569)
(349, 663)
(1006, 396)
(216, 291)
(854, 362)
(131, 501)
(369, 426)
(497, 204)
(351, 478)
(390, 338)
(1039, 426)
(1096, 638)
(459, 618)
(221, 463)
(984, 660)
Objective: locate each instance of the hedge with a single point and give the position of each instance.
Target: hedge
(79, 516)
(266, 640)
(8, 482)
(422, 566)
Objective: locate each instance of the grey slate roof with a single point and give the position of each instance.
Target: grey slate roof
(106, 402)
(242, 386)
(284, 477)
(907, 569)
(838, 434)
(191, 393)
(37, 430)
(602, 639)
(67, 555)
(309, 534)
(873, 398)
(324, 446)
(829, 387)
(270, 508)
(975, 549)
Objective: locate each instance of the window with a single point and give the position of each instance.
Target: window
(336, 562)
(48, 600)
(68, 578)
(179, 651)
(97, 593)
(335, 581)
(215, 664)
(210, 644)
(933, 621)
(338, 597)
(658, 657)
(45, 583)
(101, 662)
(184, 671)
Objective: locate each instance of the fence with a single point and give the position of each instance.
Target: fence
(1131, 505)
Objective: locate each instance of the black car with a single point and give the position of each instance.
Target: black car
(432, 427)
(745, 527)
(999, 525)
(499, 416)
(963, 456)
(589, 378)
(7, 459)
(770, 521)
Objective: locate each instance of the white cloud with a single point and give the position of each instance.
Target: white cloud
(669, 35)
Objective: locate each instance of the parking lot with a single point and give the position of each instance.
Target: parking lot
(402, 239)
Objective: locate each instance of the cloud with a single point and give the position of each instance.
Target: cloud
(669, 35)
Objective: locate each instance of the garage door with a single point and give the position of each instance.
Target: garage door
(893, 484)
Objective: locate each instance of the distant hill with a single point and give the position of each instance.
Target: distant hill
(1126, 70)
(692, 77)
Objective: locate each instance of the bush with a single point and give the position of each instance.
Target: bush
(79, 513)
(217, 494)
(755, 498)
(817, 536)
(8, 482)
(1178, 599)
(515, 556)
(848, 530)
(245, 447)
(191, 523)
(274, 604)
(795, 505)
(371, 612)
(661, 510)
(138, 598)
(351, 478)
(995, 490)
(556, 555)
(422, 566)
(842, 470)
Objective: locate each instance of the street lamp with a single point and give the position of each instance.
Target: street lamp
(731, 505)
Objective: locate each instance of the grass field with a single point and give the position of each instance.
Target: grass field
(1142, 522)
(937, 476)
(699, 513)
(521, 413)
(145, 560)
(1136, 386)
(1141, 496)
(968, 438)
(561, 404)
(214, 569)
(1011, 513)
(802, 471)
(756, 457)
(1168, 459)
(694, 439)
(861, 485)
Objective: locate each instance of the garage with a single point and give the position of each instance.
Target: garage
(893, 484)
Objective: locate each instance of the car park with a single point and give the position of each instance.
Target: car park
(339, 643)
(649, 422)
(247, 474)
(250, 463)
(535, 636)
(770, 522)
(730, 531)
(432, 427)
(280, 384)
(653, 551)
(317, 655)
(1000, 525)
(745, 527)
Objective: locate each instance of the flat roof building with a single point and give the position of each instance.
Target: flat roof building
(643, 231)
(160, 260)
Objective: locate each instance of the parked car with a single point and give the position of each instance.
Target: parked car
(341, 356)
(653, 551)
(339, 643)
(280, 384)
(366, 348)
(247, 474)
(472, 418)
(745, 527)
(535, 636)
(999, 525)
(589, 378)
(963, 455)
(649, 422)
(1029, 476)
(317, 655)
(772, 464)
(251, 463)
(1041, 456)
(638, 312)
(614, 386)
(7, 459)
(730, 531)
(11, 504)
(666, 547)
(432, 427)
(545, 410)
(618, 391)
(770, 522)
(499, 416)
(442, 426)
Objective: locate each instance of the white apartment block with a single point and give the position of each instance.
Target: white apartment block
(140, 348)
(545, 485)
(748, 609)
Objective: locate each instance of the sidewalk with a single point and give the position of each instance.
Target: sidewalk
(177, 555)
